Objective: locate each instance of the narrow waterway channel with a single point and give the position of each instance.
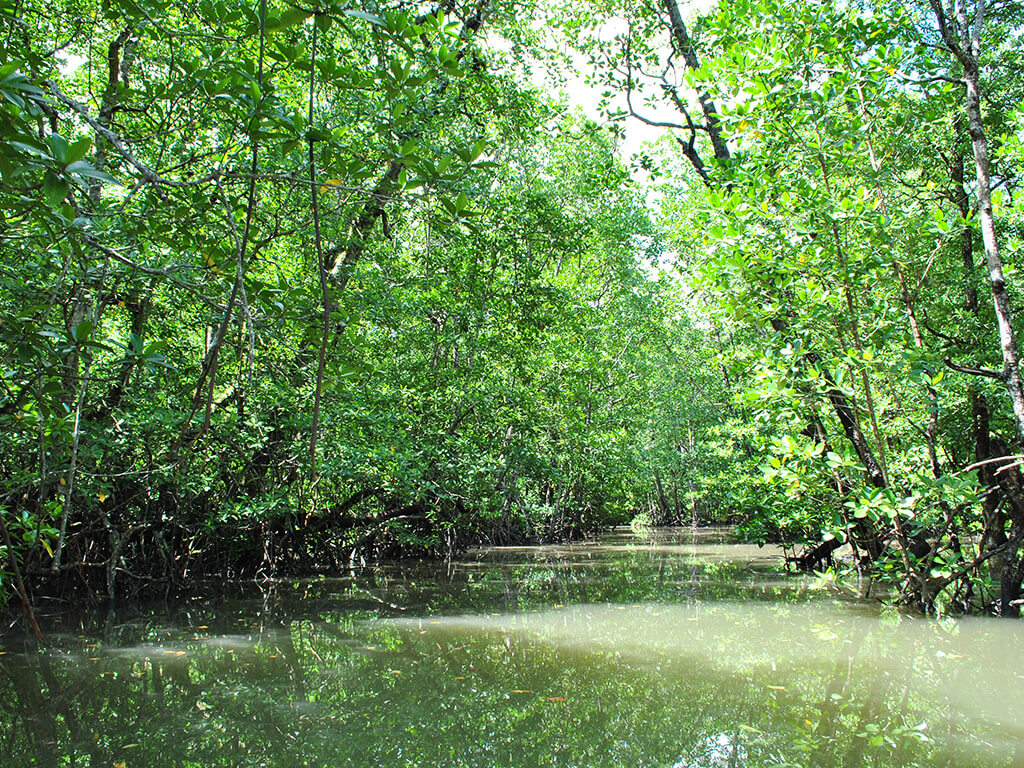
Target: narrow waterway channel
(674, 649)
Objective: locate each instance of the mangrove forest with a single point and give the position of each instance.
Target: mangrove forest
(290, 288)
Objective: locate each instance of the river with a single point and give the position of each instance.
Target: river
(673, 649)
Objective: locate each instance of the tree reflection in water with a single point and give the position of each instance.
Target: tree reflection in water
(599, 656)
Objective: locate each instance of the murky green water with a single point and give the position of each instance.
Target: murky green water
(669, 652)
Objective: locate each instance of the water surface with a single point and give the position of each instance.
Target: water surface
(670, 650)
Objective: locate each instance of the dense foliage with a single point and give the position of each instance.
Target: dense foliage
(287, 286)
(840, 186)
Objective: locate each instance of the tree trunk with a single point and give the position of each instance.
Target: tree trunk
(664, 511)
(684, 46)
(963, 40)
(966, 49)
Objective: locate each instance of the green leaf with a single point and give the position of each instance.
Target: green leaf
(77, 150)
(323, 21)
(87, 170)
(59, 147)
(55, 189)
(373, 19)
(286, 19)
(81, 332)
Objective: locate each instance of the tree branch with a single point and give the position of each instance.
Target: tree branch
(147, 173)
(997, 375)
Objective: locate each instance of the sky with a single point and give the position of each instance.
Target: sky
(576, 92)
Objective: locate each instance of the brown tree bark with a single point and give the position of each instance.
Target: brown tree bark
(684, 46)
(962, 37)
(963, 40)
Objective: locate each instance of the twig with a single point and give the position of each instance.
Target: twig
(147, 173)
(1018, 459)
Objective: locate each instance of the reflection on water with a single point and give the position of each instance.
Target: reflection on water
(672, 652)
